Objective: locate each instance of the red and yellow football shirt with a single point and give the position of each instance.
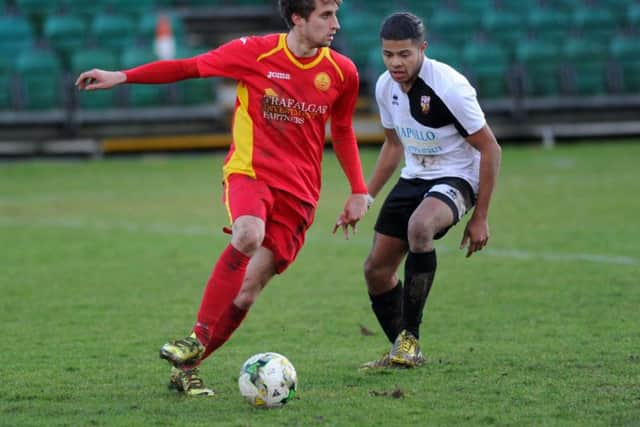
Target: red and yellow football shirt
(283, 104)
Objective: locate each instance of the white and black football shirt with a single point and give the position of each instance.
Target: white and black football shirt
(432, 121)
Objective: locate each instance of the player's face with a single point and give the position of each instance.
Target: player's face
(403, 59)
(322, 24)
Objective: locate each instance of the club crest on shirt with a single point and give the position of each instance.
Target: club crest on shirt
(322, 81)
(425, 100)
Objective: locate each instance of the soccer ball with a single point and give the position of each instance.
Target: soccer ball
(268, 380)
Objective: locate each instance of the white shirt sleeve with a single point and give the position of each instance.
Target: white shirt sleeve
(386, 119)
(461, 100)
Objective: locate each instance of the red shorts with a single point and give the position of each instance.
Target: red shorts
(286, 217)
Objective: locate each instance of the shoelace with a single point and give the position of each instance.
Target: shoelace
(186, 342)
(194, 380)
(406, 345)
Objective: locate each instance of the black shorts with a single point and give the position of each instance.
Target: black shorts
(407, 194)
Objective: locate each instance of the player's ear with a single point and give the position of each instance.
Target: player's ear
(296, 19)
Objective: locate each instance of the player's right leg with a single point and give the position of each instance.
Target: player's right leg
(183, 352)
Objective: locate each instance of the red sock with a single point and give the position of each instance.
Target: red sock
(224, 328)
(222, 288)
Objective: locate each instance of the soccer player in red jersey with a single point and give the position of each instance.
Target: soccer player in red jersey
(289, 85)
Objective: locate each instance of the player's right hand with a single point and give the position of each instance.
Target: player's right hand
(100, 79)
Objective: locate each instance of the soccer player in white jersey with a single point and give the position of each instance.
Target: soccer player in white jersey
(432, 118)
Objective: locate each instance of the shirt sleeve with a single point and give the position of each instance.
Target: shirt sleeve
(386, 119)
(462, 101)
(343, 135)
(235, 59)
(163, 71)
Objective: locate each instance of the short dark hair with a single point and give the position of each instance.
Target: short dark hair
(403, 26)
(301, 7)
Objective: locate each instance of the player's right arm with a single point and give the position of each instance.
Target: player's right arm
(167, 71)
(389, 158)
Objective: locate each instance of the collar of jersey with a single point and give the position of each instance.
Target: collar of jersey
(282, 45)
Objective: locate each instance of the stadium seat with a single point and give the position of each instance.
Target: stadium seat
(475, 7)
(6, 88)
(585, 66)
(134, 9)
(446, 53)
(567, 6)
(633, 15)
(380, 9)
(65, 34)
(39, 72)
(595, 22)
(540, 68)
(6, 64)
(375, 66)
(195, 91)
(250, 2)
(503, 27)
(358, 38)
(112, 31)
(200, 3)
(520, 7)
(87, 9)
(142, 95)
(625, 52)
(422, 8)
(360, 47)
(5, 91)
(487, 65)
(617, 7)
(454, 27)
(16, 35)
(85, 59)
(38, 9)
(549, 25)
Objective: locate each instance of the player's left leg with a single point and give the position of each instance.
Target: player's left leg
(431, 216)
(443, 206)
(260, 270)
(189, 382)
(186, 378)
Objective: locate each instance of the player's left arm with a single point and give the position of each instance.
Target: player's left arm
(346, 149)
(476, 233)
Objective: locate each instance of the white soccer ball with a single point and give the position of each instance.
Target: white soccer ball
(268, 380)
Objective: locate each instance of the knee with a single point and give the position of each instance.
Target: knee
(370, 269)
(420, 235)
(247, 238)
(376, 275)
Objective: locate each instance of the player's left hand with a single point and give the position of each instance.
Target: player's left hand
(476, 235)
(354, 209)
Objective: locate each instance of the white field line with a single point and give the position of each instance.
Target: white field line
(94, 224)
(216, 234)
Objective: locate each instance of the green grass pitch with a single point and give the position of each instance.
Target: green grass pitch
(103, 261)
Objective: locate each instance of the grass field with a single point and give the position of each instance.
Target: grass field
(103, 261)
